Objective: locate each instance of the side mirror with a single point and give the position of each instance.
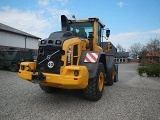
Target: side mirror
(107, 33)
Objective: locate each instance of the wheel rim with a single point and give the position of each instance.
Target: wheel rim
(113, 73)
(101, 81)
(13, 67)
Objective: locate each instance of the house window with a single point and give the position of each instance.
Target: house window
(115, 59)
(123, 59)
(150, 58)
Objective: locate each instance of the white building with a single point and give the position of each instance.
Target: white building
(14, 38)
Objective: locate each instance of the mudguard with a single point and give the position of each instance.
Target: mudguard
(92, 64)
(110, 63)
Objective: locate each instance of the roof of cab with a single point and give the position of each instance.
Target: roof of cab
(89, 19)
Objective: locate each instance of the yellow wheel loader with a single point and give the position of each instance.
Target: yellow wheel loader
(73, 58)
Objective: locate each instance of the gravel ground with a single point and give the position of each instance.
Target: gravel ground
(129, 99)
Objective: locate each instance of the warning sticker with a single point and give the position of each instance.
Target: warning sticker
(91, 57)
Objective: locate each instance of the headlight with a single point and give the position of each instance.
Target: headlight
(58, 42)
(43, 42)
(76, 72)
(22, 67)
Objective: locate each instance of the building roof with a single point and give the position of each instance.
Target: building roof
(153, 54)
(122, 54)
(4, 27)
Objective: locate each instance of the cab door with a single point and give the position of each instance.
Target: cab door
(2, 56)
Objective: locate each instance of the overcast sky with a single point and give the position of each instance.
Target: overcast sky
(130, 21)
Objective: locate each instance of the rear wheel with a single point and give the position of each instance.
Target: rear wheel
(95, 86)
(116, 74)
(110, 77)
(48, 89)
(14, 67)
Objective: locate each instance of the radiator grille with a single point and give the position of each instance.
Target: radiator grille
(43, 61)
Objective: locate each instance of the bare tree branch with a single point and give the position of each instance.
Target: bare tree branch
(120, 48)
(135, 50)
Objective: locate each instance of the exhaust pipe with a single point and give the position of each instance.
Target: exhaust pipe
(65, 23)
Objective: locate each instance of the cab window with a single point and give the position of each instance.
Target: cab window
(99, 33)
(81, 29)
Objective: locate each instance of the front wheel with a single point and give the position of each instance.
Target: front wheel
(95, 86)
(48, 89)
(14, 67)
(110, 77)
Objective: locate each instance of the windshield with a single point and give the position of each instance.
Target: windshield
(81, 29)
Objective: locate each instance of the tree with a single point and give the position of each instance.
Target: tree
(143, 52)
(153, 45)
(120, 48)
(135, 50)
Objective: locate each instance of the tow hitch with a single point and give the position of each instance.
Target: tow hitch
(38, 78)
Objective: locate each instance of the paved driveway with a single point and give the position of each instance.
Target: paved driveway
(131, 98)
(128, 76)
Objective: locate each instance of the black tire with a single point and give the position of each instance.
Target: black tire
(48, 89)
(116, 74)
(95, 86)
(14, 67)
(110, 77)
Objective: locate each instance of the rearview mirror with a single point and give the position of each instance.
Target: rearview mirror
(107, 33)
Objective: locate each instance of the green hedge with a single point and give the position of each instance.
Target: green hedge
(149, 69)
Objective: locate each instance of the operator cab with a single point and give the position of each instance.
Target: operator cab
(81, 29)
(91, 29)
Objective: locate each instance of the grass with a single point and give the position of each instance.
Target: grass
(149, 68)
